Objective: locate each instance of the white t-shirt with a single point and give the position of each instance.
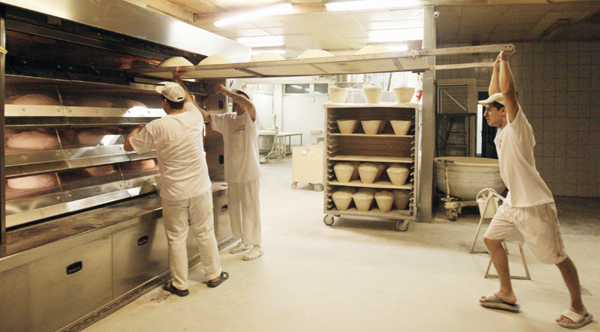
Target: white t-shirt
(240, 138)
(515, 145)
(178, 141)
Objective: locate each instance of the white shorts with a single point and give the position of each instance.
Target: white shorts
(536, 225)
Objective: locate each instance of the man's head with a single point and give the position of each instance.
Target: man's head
(495, 113)
(173, 96)
(244, 93)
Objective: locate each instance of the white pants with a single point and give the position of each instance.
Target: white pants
(538, 226)
(199, 211)
(244, 212)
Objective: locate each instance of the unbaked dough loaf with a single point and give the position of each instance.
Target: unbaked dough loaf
(8, 133)
(32, 140)
(100, 170)
(91, 136)
(32, 182)
(33, 99)
(176, 61)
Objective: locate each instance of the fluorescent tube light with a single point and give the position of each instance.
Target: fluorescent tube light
(275, 10)
(383, 36)
(370, 4)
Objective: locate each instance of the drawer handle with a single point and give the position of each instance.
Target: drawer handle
(143, 240)
(224, 208)
(75, 267)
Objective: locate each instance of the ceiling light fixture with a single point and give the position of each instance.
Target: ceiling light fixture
(370, 4)
(385, 36)
(275, 10)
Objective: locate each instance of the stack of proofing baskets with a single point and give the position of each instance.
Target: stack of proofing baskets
(371, 161)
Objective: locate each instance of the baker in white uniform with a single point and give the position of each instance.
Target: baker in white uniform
(528, 213)
(242, 170)
(242, 167)
(186, 188)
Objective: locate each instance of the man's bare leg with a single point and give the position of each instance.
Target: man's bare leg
(500, 260)
(569, 273)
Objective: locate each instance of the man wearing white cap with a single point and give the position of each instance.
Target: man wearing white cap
(186, 188)
(528, 213)
(242, 170)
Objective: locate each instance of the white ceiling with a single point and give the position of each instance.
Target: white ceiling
(461, 21)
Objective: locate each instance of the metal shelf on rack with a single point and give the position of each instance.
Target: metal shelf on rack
(375, 212)
(380, 159)
(378, 185)
(376, 136)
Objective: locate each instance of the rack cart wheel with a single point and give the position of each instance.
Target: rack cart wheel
(294, 185)
(329, 220)
(452, 215)
(402, 225)
(318, 187)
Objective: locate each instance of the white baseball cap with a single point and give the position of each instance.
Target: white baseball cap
(243, 92)
(172, 91)
(496, 97)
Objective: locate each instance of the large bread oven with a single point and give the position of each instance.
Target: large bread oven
(81, 230)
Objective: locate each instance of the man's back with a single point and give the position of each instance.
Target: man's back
(178, 141)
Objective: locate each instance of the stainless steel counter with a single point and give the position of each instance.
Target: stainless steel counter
(63, 274)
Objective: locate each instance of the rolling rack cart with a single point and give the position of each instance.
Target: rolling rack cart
(386, 148)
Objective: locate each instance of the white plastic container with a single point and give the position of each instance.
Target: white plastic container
(403, 95)
(347, 126)
(401, 127)
(373, 95)
(372, 127)
(337, 95)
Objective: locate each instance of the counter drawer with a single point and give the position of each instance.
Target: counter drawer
(14, 297)
(67, 285)
(140, 253)
(221, 212)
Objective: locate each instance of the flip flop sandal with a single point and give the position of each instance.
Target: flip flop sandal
(224, 276)
(493, 302)
(578, 320)
(173, 290)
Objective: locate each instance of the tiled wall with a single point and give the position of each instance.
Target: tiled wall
(559, 90)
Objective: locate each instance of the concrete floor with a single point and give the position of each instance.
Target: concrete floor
(362, 275)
